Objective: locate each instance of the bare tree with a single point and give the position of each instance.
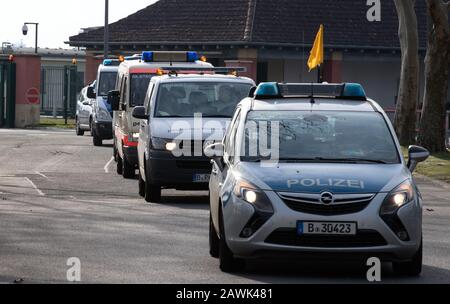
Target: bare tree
(408, 95)
(432, 125)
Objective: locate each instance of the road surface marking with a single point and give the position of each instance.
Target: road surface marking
(106, 168)
(41, 174)
(35, 187)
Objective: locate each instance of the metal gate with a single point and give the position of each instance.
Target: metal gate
(59, 91)
(7, 94)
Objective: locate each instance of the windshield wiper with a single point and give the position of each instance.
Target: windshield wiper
(216, 116)
(322, 159)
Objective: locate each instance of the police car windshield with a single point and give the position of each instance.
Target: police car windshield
(107, 83)
(138, 90)
(300, 136)
(211, 99)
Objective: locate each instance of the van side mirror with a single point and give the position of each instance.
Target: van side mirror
(215, 152)
(114, 100)
(251, 94)
(416, 155)
(139, 113)
(91, 93)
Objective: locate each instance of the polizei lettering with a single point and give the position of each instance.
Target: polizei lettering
(330, 182)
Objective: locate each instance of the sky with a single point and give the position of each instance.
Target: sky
(59, 19)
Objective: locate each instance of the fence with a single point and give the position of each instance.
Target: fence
(59, 90)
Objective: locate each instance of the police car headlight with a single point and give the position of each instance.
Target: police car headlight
(399, 197)
(102, 114)
(252, 195)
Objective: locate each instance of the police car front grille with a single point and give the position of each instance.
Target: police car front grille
(289, 237)
(310, 203)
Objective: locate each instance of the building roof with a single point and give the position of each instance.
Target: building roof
(256, 22)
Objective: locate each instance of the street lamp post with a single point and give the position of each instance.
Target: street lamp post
(106, 35)
(25, 32)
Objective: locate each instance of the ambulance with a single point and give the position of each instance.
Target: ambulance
(134, 75)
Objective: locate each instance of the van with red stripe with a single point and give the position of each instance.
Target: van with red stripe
(133, 80)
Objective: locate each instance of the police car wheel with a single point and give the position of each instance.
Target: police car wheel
(141, 186)
(213, 239)
(78, 129)
(411, 268)
(228, 263)
(128, 170)
(119, 165)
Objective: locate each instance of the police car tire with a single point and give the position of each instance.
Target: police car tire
(78, 129)
(141, 186)
(213, 239)
(119, 165)
(128, 170)
(228, 263)
(411, 268)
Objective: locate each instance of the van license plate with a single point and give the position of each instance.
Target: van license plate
(326, 228)
(202, 178)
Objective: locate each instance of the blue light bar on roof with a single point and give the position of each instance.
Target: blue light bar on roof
(267, 90)
(353, 90)
(111, 62)
(147, 56)
(192, 56)
(339, 91)
(170, 56)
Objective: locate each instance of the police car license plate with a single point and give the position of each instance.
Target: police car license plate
(201, 178)
(326, 228)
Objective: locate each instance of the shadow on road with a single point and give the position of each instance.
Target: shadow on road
(270, 271)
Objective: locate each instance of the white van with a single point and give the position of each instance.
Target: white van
(181, 114)
(100, 120)
(134, 76)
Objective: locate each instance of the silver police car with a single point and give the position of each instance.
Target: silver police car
(314, 170)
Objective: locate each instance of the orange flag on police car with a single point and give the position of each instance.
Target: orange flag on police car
(316, 57)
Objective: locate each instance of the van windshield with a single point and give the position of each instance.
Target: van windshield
(318, 137)
(211, 99)
(107, 83)
(139, 87)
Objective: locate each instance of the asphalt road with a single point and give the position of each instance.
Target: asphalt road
(60, 198)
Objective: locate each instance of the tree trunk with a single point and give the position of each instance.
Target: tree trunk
(408, 95)
(432, 125)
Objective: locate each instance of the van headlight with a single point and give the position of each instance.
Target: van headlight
(254, 196)
(163, 144)
(398, 198)
(103, 115)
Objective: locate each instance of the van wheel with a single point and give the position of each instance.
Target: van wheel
(128, 170)
(119, 165)
(411, 268)
(78, 129)
(152, 193)
(95, 139)
(213, 239)
(228, 263)
(115, 150)
(141, 186)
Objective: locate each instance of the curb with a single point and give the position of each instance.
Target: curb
(433, 181)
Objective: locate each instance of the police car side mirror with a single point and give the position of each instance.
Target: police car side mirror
(139, 113)
(416, 155)
(114, 100)
(91, 93)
